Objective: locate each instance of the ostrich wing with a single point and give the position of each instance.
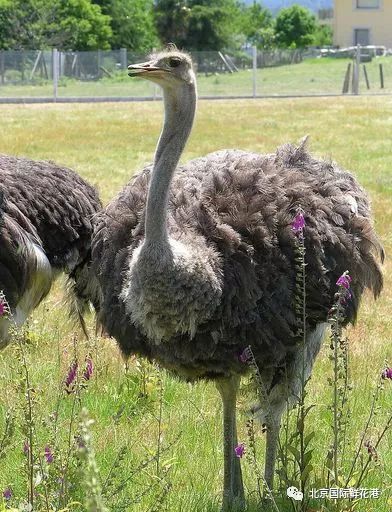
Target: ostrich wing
(242, 205)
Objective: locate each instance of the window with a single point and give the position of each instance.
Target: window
(368, 4)
(361, 36)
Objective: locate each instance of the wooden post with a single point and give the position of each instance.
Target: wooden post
(366, 77)
(36, 63)
(346, 82)
(381, 77)
(225, 62)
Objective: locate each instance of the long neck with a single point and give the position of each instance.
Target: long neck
(180, 106)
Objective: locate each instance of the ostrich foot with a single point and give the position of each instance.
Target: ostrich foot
(234, 497)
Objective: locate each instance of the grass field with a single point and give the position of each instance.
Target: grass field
(106, 143)
(312, 76)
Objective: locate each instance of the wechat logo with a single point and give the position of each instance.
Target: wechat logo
(293, 492)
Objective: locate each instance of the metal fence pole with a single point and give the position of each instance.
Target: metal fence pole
(357, 63)
(55, 72)
(254, 55)
(123, 58)
(2, 67)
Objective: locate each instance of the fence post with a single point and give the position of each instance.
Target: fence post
(2, 67)
(357, 63)
(254, 55)
(99, 63)
(55, 72)
(366, 77)
(381, 76)
(346, 82)
(123, 58)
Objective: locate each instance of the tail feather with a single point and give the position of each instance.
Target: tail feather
(82, 292)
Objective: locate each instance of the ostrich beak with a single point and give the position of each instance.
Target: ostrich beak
(144, 69)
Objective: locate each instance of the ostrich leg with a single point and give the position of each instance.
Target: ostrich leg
(297, 374)
(233, 488)
(271, 448)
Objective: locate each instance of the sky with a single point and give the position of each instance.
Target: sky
(314, 5)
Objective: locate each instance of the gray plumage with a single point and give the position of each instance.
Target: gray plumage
(196, 265)
(45, 228)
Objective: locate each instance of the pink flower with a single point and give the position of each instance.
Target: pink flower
(387, 374)
(26, 447)
(245, 355)
(298, 223)
(48, 455)
(71, 376)
(344, 280)
(371, 450)
(4, 306)
(88, 371)
(7, 494)
(239, 450)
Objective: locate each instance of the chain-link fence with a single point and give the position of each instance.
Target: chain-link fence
(97, 75)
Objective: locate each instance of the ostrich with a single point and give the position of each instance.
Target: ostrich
(197, 262)
(45, 228)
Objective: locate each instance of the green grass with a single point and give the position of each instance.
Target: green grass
(312, 76)
(106, 143)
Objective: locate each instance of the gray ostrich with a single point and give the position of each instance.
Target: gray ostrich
(197, 262)
(45, 228)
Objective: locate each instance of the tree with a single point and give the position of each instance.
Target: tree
(172, 21)
(323, 36)
(198, 24)
(132, 23)
(295, 27)
(77, 25)
(65, 24)
(257, 26)
(18, 25)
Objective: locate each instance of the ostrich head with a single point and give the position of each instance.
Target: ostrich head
(172, 70)
(168, 69)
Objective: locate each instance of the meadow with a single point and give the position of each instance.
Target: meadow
(138, 410)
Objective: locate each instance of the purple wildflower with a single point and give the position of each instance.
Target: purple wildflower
(7, 494)
(48, 455)
(88, 371)
(245, 355)
(344, 293)
(71, 376)
(4, 306)
(26, 447)
(371, 450)
(344, 280)
(387, 374)
(239, 450)
(298, 223)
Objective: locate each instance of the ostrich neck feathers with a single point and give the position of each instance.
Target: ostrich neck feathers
(171, 287)
(180, 106)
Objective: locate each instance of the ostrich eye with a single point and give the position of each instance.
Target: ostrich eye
(174, 62)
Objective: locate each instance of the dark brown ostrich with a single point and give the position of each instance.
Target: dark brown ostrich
(196, 263)
(45, 228)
